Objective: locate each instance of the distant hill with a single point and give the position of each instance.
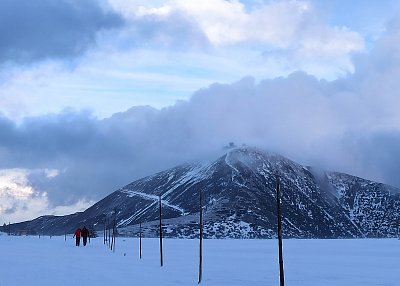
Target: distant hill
(240, 202)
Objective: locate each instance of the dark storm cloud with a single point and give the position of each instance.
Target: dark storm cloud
(380, 153)
(298, 116)
(330, 124)
(69, 142)
(93, 157)
(41, 29)
(43, 138)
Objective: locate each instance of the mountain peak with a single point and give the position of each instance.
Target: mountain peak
(239, 199)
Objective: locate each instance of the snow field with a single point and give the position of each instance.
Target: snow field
(28, 260)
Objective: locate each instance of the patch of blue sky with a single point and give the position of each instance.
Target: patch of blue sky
(368, 18)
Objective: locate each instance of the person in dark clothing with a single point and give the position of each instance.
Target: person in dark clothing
(85, 235)
(77, 235)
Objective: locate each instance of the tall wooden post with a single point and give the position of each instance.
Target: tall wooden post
(201, 238)
(105, 228)
(9, 228)
(112, 238)
(161, 250)
(65, 235)
(109, 234)
(115, 230)
(278, 206)
(140, 240)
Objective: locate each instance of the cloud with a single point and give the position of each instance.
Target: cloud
(20, 200)
(334, 124)
(38, 30)
(292, 33)
(280, 24)
(350, 124)
(142, 49)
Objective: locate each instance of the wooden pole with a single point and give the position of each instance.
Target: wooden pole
(65, 235)
(278, 205)
(109, 234)
(161, 246)
(140, 240)
(9, 228)
(112, 240)
(115, 230)
(201, 238)
(104, 233)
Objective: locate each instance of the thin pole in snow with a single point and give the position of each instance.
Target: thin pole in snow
(278, 206)
(115, 229)
(201, 238)
(105, 228)
(161, 246)
(112, 238)
(109, 233)
(140, 240)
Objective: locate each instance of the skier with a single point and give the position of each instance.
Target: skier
(77, 235)
(85, 234)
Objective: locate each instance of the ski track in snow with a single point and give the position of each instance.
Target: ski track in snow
(191, 175)
(155, 199)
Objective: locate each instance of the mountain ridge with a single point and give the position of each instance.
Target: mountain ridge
(240, 202)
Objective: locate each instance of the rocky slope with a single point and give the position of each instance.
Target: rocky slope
(239, 199)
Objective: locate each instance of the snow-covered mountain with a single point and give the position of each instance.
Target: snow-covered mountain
(239, 200)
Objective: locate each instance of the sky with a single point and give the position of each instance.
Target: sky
(96, 94)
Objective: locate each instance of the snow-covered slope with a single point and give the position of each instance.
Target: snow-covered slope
(240, 201)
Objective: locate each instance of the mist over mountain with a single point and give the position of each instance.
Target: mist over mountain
(239, 201)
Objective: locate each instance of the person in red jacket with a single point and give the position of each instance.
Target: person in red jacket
(85, 235)
(77, 235)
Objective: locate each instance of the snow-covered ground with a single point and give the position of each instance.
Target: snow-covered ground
(26, 260)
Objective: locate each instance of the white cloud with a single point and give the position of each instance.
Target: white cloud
(168, 49)
(14, 183)
(130, 8)
(223, 22)
(21, 201)
(281, 24)
(51, 173)
(291, 33)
